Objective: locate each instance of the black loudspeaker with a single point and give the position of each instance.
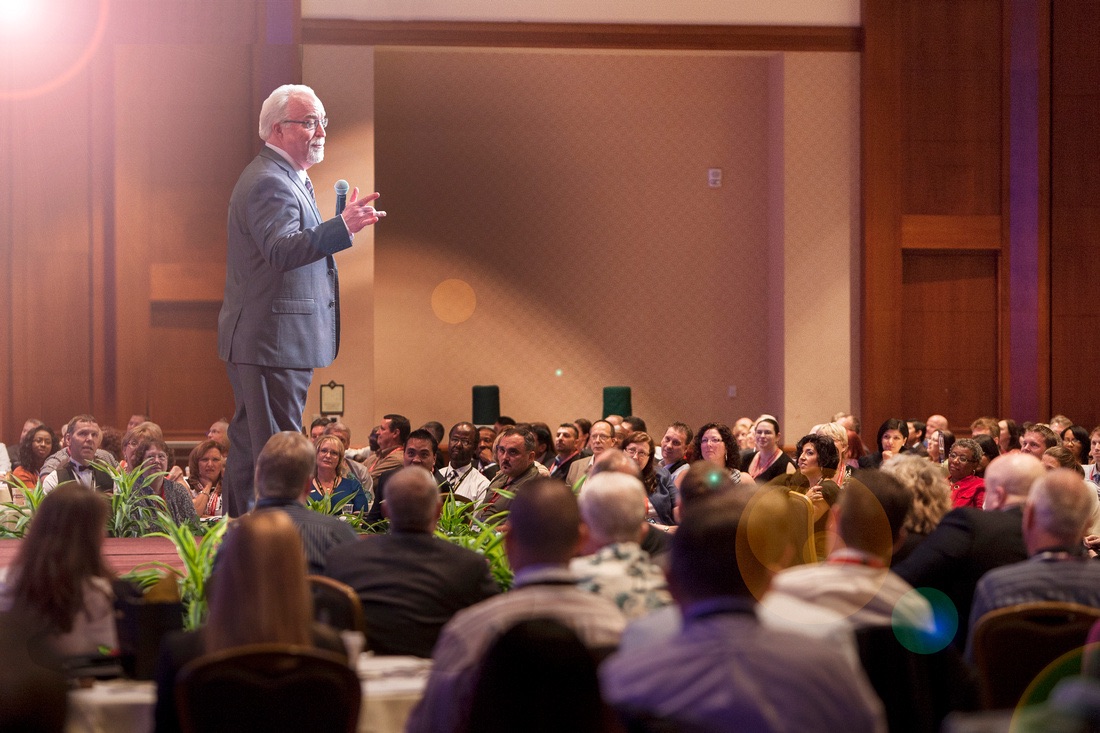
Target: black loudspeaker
(486, 404)
(616, 401)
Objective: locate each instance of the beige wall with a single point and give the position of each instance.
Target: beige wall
(747, 12)
(568, 191)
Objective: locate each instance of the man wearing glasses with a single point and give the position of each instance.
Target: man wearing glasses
(280, 318)
(600, 438)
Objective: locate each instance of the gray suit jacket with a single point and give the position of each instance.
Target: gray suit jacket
(281, 306)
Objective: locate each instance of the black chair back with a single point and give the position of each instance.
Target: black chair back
(336, 604)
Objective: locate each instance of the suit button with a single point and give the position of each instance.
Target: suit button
(332, 304)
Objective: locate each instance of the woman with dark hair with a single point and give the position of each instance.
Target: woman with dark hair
(967, 488)
(714, 443)
(1009, 436)
(769, 460)
(990, 450)
(818, 461)
(258, 594)
(154, 457)
(59, 577)
(1075, 439)
(892, 436)
(37, 445)
(939, 445)
(204, 468)
(660, 493)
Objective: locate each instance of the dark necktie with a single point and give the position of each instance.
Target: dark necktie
(309, 187)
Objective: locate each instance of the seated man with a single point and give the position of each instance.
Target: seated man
(410, 581)
(855, 581)
(392, 434)
(724, 670)
(544, 532)
(461, 474)
(420, 450)
(1057, 569)
(613, 507)
(515, 451)
(83, 436)
(284, 470)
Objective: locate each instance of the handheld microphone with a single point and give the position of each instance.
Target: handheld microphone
(341, 195)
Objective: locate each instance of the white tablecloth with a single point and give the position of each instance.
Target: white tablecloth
(391, 687)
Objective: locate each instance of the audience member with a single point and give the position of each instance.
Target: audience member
(421, 450)
(724, 670)
(770, 460)
(985, 426)
(969, 542)
(892, 435)
(409, 581)
(1058, 423)
(544, 533)
(613, 507)
(1008, 437)
(258, 594)
(132, 440)
(460, 475)
(856, 581)
(333, 480)
(219, 431)
(515, 451)
(486, 451)
(392, 434)
(990, 450)
(674, 449)
(836, 433)
(915, 442)
(284, 473)
(715, 444)
(659, 489)
(36, 445)
(1058, 507)
(1037, 438)
(601, 436)
(566, 451)
(1075, 439)
(83, 435)
(205, 466)
(343, 432)
(59, 580)
(13, 449)
(931, 498)
(818, 463)
(584, 427)
(967, 489)
(153, 457)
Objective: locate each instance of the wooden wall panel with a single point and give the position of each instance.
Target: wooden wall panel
(949, 339)
(1075, 210)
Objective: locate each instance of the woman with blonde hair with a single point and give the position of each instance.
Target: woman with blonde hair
(931, 497)
(258, 595)
(334, 479)
(839, 435)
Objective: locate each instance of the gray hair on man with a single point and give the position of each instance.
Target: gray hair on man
(274, 108)
(284, 466)
(1061, 503)
(412, 501)
(613, 505)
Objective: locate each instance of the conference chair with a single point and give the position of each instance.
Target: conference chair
(274, 688)
(336, 604)
(1016, 648)
(802, 526)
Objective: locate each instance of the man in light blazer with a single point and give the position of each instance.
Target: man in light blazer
(280, 318)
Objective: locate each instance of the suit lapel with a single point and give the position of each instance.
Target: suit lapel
(295, 179)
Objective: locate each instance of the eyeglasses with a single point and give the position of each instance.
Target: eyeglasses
(709, 441)
(636, 452)
(310, 123)
(598, 437)
(960, 458)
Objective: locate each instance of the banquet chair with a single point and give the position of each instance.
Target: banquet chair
(1015, 646)
(802, 526)
(336, 604)
(275, 688)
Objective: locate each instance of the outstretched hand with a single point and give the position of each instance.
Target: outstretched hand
(359, 212)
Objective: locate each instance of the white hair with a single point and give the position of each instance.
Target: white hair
(613, 505)
(1062, 503)
(275, 106)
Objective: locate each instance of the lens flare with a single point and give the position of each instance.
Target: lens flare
(945, 622)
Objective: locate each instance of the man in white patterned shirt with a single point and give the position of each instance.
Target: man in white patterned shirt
(544, 532)
(613, 507)
(461, 474)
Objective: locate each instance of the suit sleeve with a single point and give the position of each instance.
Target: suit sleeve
(277, 219)
(936, 557)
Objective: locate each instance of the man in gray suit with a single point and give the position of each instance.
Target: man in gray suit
(280, 317)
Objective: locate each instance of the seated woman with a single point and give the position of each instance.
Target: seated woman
(1008, 438)
(818, 460)
(839, 435)
(931, 498)
(714, 443)
(59, 577)
(892, 436)
(258, 594)
(155, 456)
(1075, 439)
(205, 466)
(37, 445)
(967, 488)
(769, 460)
(660, 493)
(333, 479)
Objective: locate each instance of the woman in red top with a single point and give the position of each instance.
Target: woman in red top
(967, 489)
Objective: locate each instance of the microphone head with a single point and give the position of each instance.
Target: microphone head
(341, 187)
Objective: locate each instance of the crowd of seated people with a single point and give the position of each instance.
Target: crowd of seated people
(681, 553)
